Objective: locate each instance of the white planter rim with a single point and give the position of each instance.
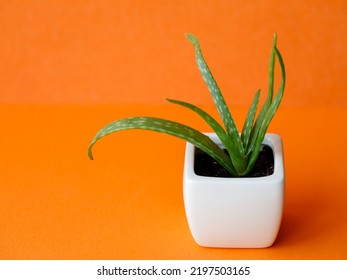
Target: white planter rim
(271, 139)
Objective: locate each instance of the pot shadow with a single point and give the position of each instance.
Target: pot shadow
(305, 218)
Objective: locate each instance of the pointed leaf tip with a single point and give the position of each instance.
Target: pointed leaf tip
(192, 39)
(275, 40)
(90, 155)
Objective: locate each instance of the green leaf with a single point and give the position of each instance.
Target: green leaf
(247, 127)
(269, 115)
(216, 127)
(237, 161)
(184, 132)
(217, 97)
(243, 149)
(268, 101)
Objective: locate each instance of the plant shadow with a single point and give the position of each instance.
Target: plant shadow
(302, 220)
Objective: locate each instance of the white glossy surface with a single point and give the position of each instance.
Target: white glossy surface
(234, 212)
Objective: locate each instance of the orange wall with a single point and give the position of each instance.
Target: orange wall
(135, 51)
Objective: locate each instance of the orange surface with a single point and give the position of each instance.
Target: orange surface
(127, 204)
(69, 67)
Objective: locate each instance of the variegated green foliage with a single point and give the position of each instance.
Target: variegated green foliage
(244, 148)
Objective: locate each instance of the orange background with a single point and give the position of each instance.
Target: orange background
(135, 51)
(69, 67)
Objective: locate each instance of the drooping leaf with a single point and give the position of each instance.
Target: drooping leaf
(184, 132)
(237, 160)
(216, 127)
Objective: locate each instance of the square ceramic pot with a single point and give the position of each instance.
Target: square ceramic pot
(234, 212)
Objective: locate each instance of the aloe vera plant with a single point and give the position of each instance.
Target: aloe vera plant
(243, 148)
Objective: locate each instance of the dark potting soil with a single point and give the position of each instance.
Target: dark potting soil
(206, 166)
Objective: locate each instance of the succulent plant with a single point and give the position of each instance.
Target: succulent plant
(243, 148)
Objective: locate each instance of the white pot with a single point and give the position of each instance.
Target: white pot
(234, 212)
